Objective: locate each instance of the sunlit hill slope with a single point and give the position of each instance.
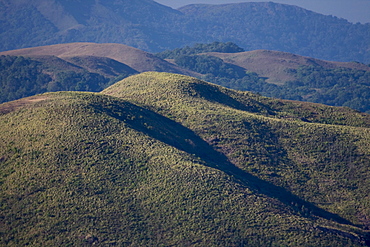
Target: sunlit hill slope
(165, 159)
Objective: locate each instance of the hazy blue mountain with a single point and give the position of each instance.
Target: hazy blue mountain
(353, 11)
(154, 27)
(280, 27)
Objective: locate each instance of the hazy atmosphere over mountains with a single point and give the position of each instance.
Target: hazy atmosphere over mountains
(153, 27)
(354, 10)
(131, 123)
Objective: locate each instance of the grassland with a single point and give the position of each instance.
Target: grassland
(167, 160)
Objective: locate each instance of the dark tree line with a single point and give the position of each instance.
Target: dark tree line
(227, 47)
(22, 77)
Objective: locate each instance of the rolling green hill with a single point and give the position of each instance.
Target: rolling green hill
(161, 159)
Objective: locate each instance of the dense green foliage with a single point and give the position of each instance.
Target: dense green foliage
(181, 162)
(280, 27)
(227, 47)
(22, 27)
(213, 66)
(335, 87)
(21, 77)
(154, 27)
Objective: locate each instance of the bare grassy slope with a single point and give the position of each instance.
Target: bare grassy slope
(135, 58)
(275, 65)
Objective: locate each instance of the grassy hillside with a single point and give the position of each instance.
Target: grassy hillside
(315, 152)
(171, 160)
(80, 169)
(135, 58)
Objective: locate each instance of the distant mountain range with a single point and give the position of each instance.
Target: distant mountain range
(93, 67)
(354, 11)
(162, 159)
(137, 59)
(74, 67)
(150, 26)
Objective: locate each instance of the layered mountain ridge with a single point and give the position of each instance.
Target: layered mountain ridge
(153, 27)
(93, 67)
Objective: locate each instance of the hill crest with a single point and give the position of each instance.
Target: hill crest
(166, 90)
(135, 58)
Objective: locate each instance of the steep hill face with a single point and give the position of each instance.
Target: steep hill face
(156, 168)
(153, 27)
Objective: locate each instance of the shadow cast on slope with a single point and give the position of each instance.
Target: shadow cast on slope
(182, 138)
(213, 94)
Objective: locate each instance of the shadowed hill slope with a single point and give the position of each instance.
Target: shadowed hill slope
(260, 135)
(171, 160)
(167, 90)
(82, 168)
(279, 74)
(60, 21)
